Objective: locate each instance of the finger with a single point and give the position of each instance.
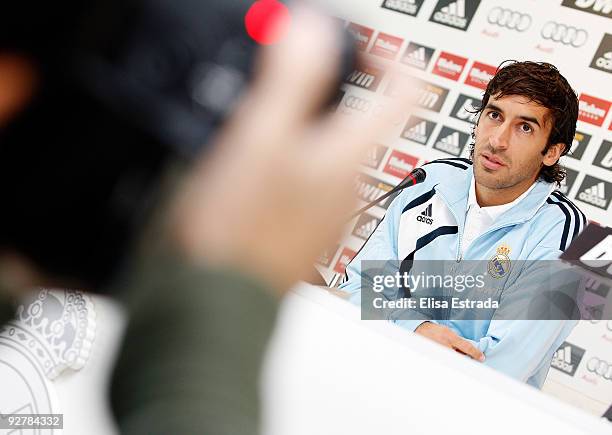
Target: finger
(467, 348)
(347, 138)
(295, 77)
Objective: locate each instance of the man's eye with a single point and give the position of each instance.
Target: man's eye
(526, 128)
(494, 115)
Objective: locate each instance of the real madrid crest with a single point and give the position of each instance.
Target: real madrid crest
(499, 265)
(53, 331)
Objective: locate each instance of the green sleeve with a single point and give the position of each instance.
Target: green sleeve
(191, 357)
(7, 309)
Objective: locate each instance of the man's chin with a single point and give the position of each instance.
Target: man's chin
(489, 178)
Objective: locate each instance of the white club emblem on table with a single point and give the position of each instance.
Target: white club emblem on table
(57, 329)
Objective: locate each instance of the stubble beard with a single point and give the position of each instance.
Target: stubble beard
(510, 177)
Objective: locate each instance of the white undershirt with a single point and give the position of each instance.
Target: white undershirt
(479, 219)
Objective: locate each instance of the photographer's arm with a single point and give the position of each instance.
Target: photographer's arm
(202, 316)
(191, 355)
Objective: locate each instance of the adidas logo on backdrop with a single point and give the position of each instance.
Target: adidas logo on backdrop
(418, 56)
(456, 14)
(595, 191)
(567, 358)
(595, 195)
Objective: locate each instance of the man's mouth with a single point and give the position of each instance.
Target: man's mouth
(489, 161)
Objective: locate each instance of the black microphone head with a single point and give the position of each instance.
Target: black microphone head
(419, 175)
(415, 177)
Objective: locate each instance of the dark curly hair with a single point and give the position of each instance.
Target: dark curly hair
(542, 83)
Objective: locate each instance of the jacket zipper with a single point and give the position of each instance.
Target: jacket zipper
(459, 256)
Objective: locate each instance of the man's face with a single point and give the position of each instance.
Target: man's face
(510, 136)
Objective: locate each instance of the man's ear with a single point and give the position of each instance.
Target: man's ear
(553, 154)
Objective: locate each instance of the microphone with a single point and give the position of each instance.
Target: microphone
(415, 177)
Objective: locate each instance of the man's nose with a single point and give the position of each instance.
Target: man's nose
(500, 139)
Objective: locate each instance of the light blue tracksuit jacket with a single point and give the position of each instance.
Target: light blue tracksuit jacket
(540, 227)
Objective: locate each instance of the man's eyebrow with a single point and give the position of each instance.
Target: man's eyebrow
(494, 107)
(530, 119)
(525, 118)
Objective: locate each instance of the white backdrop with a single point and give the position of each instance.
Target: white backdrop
(454, 46)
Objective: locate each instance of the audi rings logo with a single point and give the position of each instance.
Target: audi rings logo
(509, 19)
(600, 368)
(357, 103)
(564, 34)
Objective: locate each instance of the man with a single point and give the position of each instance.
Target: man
(498, 206)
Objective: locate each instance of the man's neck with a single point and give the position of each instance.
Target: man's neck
(487, 197)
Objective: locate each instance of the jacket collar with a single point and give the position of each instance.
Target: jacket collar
(455, 193)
